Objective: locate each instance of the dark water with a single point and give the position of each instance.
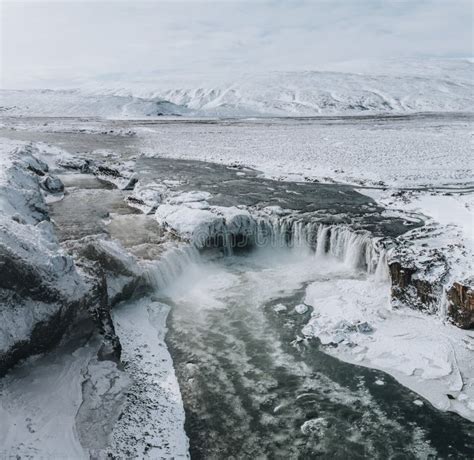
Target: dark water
(248, 387)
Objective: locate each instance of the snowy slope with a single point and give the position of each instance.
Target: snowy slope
(419, 87)
(325, 93)
(76, 103)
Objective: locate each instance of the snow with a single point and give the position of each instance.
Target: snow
(189, 223)
(43, 399)
(279, 308)
(189, 197)
(426, 355)
(439, 86)
(401, 152)
(301, 309)
(39, 404)
(449, 226)
(455, 210)
(152, 424)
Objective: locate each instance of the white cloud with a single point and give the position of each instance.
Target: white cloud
(49, 43)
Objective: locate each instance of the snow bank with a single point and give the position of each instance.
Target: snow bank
(355, 322)
(61, 404)
(152, 423)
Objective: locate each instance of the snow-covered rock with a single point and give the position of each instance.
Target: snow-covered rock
(40, 288)
(202, 225)
(301, 309)
(146, 197)
(52, 184)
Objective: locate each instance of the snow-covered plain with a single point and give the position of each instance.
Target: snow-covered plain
(399, 152)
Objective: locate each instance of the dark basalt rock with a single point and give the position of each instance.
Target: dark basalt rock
(131, 183)
(101, 264)
(77, 164)
(401, 276)
(461, 304)
(36, 171)
(33, 164)
(107, 171)
(45, 335)
(411, 290)
(23, 278)
(99, 308)
(134, 200)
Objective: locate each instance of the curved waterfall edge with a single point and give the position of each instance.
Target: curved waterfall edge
(358, 250)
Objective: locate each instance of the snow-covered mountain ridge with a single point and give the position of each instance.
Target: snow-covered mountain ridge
(309, 93)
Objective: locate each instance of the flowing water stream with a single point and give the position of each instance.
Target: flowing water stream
(254, 388)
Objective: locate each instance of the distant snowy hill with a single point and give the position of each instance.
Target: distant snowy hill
(442, 86)
(80, 103)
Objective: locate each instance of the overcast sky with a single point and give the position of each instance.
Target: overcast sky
(63, 42)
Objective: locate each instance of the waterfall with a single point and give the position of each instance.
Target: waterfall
(171, 264)
(321, 240)
(357, 249)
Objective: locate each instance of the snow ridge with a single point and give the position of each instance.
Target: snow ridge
(275, 94)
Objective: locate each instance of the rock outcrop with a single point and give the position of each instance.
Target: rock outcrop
(45, 287)
(460, 297)
(409, 288)
(423, 287)
(40, 289)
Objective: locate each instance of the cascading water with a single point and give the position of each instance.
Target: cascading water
(162, 272)
(358, 250)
